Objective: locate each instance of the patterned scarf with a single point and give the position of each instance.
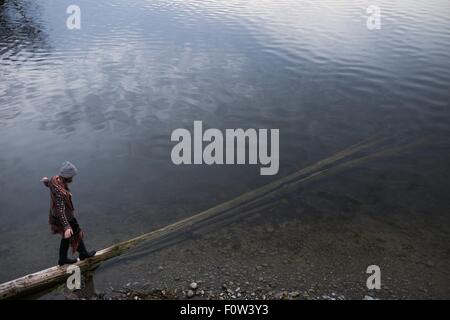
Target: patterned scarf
(57, 183)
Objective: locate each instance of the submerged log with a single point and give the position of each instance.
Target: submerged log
(247, 202)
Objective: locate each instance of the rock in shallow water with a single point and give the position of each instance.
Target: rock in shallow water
(193, 285)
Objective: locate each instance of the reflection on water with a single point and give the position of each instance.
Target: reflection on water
(107, 97)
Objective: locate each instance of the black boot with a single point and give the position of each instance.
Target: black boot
(84, 254)
(63, 248)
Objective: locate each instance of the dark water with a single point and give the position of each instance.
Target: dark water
(108, 96)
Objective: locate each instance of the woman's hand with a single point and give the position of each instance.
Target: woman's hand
(68, 233)
(45, 181)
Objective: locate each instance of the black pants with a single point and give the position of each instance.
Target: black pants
(75, 226)
(65, 243)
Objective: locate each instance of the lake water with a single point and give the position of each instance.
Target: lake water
(107, 97)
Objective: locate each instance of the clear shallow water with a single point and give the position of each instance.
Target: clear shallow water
(108, 96)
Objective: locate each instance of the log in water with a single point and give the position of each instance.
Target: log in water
(248, 202)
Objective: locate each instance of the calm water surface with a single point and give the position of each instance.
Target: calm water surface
(108, 96)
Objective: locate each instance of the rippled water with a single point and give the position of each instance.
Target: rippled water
(108, 96)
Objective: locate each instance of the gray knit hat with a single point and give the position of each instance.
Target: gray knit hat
(68, 170)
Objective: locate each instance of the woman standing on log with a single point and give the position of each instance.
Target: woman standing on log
(61, 218)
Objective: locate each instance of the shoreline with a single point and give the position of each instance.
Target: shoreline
(306, 257)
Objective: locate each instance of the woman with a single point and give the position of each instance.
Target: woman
(61, 218)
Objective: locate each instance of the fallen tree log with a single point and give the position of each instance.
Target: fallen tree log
(247, 202)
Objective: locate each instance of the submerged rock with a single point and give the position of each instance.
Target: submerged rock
(193, 285)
